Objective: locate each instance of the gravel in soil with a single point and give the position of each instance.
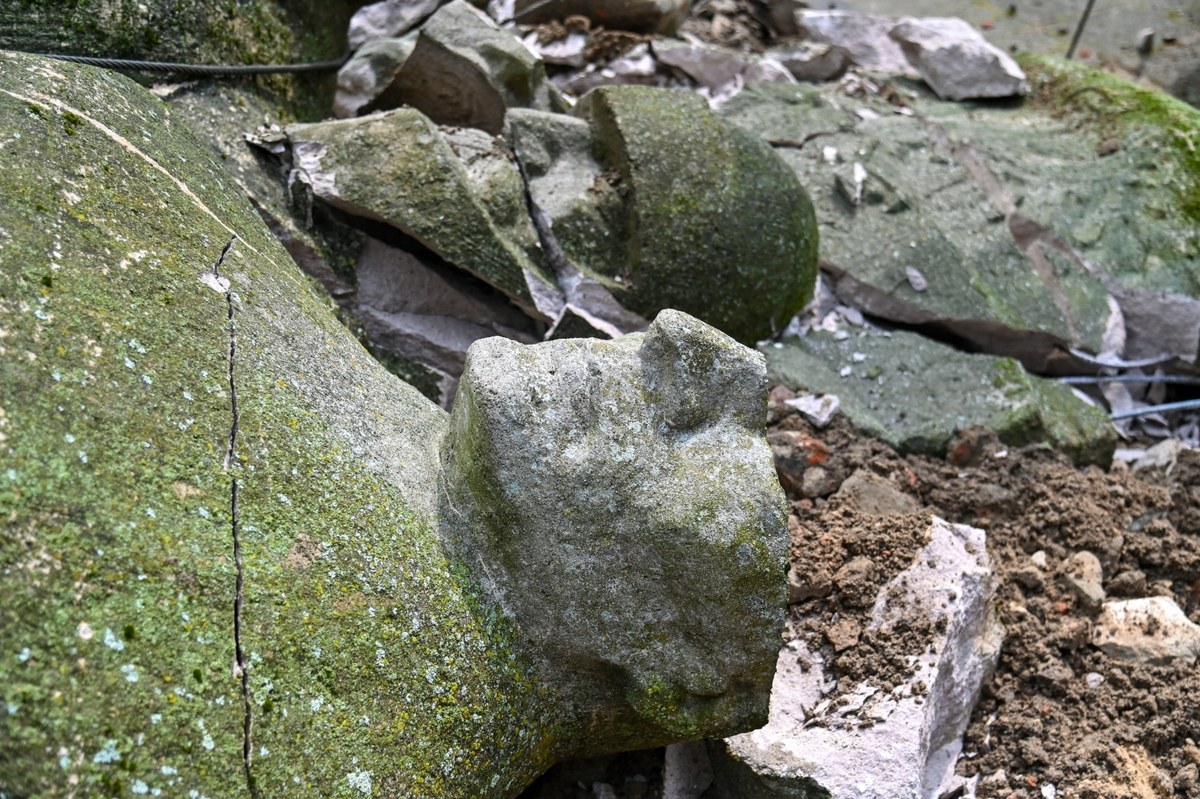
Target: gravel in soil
(1057, 712)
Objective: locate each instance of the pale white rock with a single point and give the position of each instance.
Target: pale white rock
(1148, 630)
(1084, 577)
(864, 36)
(567, 51)
(956, 61)
(686, 770)
(387, 19)
(880, 745)
(818, 409)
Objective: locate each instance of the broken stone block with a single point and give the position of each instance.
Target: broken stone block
(874, 495)
(650, 16)
(864, 36)
(866, 742)
(956, 61)
(1146, 630)
(465, 71)
(369, 72)
(692, 187)
(387, 20)
(397, 167)
(541, 484)
(217, 502)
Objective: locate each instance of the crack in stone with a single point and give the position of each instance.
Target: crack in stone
(240, 668)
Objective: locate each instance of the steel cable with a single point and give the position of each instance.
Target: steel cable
(198, 70)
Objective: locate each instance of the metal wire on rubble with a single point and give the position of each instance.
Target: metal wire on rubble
(199, 70)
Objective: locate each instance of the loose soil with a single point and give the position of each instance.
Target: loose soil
(1057, 712)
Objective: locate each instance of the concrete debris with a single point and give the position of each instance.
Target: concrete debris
(650, 16)
(956, 61)
(1147, 630)
(870, 743)
(687, 773)
(874, 495)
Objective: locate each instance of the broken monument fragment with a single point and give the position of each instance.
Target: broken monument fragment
(186, 424)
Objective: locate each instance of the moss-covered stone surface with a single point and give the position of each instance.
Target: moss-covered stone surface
(914, 393)
(372, 667)
(194, 32)
(714, 218)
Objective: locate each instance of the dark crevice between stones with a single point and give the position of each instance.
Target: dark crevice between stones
(240, 666)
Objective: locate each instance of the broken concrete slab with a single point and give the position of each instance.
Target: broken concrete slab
(396, 167)
(956, 61)
(465, 71)
(868, 742)
(875, 375)
(386, 20)
(1083, 575)
(1146, 630)
(1033, 244)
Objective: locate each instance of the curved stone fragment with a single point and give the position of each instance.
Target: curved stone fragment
(223, 562)
(553, 449)
(693, 186)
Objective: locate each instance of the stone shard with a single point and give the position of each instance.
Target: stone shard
(1148, 630)
(874, 744)
(652, 16)
(397, 167)
(464, 71)
(428, 313)
(956, 61)
(369, 72)
(1083, 575)
(555, 449)
(387, 19)
(864, 36)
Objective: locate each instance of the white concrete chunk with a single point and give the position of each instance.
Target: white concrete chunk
(956, 61)
(1148, 630)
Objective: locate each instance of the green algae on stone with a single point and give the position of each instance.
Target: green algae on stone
(914, 393)
(191, 31)
(1110, 105)
(117, 554)
(719, 227)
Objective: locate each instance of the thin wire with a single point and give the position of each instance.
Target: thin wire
(1085, 380)
(1186, 405)
(1079, 28)
(199, 70)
